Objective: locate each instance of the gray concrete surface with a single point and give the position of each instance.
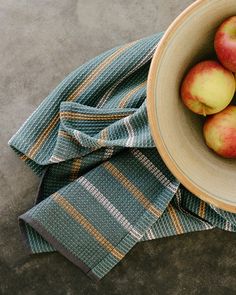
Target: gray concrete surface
(40, 42)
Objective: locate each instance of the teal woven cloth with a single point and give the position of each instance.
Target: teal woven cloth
(104, 186)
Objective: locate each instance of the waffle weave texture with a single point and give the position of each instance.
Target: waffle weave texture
(104, 186)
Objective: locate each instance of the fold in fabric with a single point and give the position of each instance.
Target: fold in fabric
(104, 186)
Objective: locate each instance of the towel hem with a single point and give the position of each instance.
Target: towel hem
(24, 236)
(57, 245)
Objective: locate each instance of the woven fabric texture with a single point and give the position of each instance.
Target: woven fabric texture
(104, 186)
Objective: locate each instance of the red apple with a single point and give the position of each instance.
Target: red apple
(225, 43)
(208, 88)
(220, 132)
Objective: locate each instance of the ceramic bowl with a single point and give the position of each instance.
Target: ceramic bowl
(177, 132)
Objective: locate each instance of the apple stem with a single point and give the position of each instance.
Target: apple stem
(203, 111)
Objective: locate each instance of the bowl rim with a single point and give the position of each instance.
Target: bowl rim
(152, 114)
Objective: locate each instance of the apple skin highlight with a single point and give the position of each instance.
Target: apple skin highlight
(225, 43)
(220, 132)
(208, 88)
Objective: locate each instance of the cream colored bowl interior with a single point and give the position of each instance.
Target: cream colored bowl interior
(189, 41)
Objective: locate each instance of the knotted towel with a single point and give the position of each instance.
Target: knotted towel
(104, 187)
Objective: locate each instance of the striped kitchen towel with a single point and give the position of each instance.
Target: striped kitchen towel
(104, 186)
